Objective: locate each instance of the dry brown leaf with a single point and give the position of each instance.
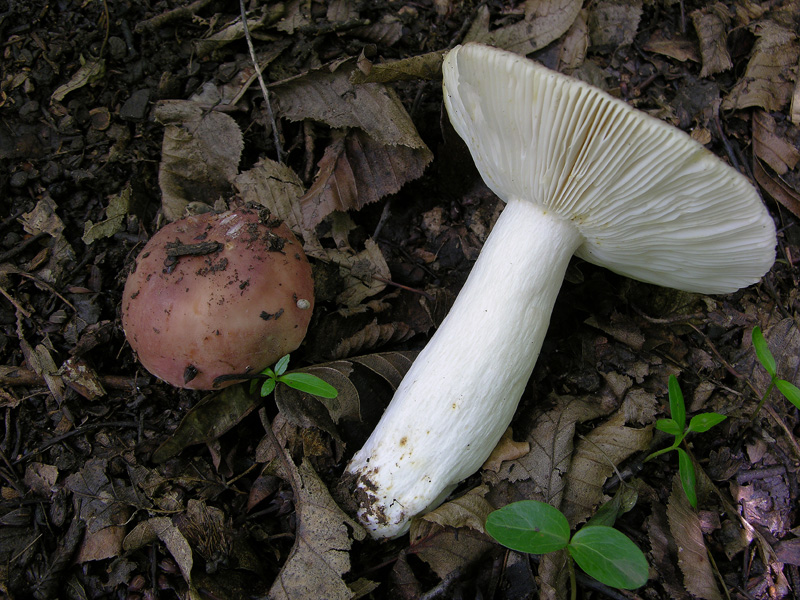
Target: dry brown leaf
(424, 66)
(200, 155)
(614, 23)
(770, 147)
(329, 96)
(363, 274)
(275, 186)
(544, 22)
(385, 32)
(357, 170)
(372, 337)
(711, 24)
(684, 525)
(41, 478)
(447, 550)
(44, 219)
(320, 555)
(776, 187)
(676, 47)
(551, 440)
(594, 460)
(506, 449)
(469, 510)
(573, 46)
(768, 79)
(553, 576)
(162, 528)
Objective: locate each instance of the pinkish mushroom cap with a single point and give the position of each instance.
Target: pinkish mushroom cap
(216, 295)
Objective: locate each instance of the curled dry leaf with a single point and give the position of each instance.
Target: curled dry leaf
(594, 460)
(469, 510)
(711, 24)
(506, 449)
(200, 155)
(357, 170)
(424, 66)
(544, 22)
(767, 81)
(768, 145)
(320, 555)
(684, 525)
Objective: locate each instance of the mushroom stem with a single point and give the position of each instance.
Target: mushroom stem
(461, 393)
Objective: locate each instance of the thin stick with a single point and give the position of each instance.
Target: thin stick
(270, 114)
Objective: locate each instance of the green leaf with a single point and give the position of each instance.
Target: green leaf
(677, 408)
(686, 472)
(669, 426)
(280, 366)
(607, 513)
(705, 421)
(609, 556)
(763, 353)
(267, 387)
(791, 391)
(310, 384)
(529, 526)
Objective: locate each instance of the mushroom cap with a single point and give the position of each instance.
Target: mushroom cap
(236, 307)
(650, 202)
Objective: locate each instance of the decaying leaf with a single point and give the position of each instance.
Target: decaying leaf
(357, 170)
(275, 186)
(329, 97)
(544, 22)
(162, 528)
(320, 555)
(777, 188)
(768, 79)
(200, 155)
(424, 66)
(90, 71)
(208, 420)
(447, 550)
(506, 449)
(364, 274)
(711, 24)
(574, 44)
(469, 510)
(44, 219)
(118, 206)
(684, 524)
(371, 337)
(772, 148)
(594, 460)
(675, 46)
(551, 441)
(614, 23)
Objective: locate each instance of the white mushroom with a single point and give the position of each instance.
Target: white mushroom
(581, 173)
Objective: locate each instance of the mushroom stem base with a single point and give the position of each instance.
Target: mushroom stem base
(460, 394)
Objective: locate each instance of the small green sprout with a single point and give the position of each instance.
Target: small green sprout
(601, 551)
(767, 360)
(305, 382)
(677, 426)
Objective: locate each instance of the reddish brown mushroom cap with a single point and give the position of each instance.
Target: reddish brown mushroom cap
(217, 294)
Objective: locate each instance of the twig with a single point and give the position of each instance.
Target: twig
(270, 114)
(172, 15)
(19, 376)
(9, 254)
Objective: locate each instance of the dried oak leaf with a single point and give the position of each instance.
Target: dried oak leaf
(199, 155)
(544, 22)
(320, 555)
(357, 170)
(771, 147)
(711, 24)
(594, 460)
(684, 524)
(769, 76)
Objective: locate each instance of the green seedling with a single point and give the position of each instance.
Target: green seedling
(677, 426)
(767, 360)
(601, 551)
(305, 382)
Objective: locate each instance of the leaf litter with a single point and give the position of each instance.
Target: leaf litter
(139, 481)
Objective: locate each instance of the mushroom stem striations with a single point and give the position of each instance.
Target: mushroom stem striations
(454, 404)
